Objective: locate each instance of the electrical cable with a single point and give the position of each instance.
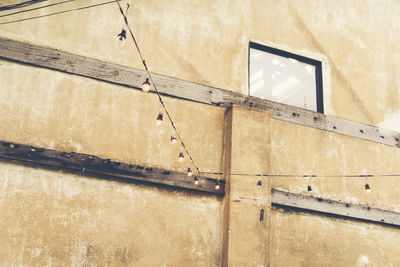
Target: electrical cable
(27, 3)
(155, 88)
(60, 12)
(232, 174)
(306, 175)
(22, 4)
(36, 8)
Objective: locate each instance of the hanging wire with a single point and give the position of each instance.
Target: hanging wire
(60, 12)
(306, 175)
(22, 4)
(183, 145)
(155, 87)
(36, 8)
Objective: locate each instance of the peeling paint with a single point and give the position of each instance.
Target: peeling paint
(51, 218)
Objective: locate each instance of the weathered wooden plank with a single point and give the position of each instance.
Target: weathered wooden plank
(337, 208)
(314, 119)
(133, 78)
(227, 165)
(92, 165)
(20, 5)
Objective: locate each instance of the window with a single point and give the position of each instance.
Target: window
(284, 77)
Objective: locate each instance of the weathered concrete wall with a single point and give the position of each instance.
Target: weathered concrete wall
(62, 219)
(302, 150)
(299, 239)
(207, 43)
(64, 112)
(303, 239)
(56, 219)
(247, 242)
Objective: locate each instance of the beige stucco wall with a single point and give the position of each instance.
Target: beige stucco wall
(207, 43)
(302, 239)
(302, 150)
(298, 238)
(103, 222)
(52, 218)
(70, 113)
(56, 218)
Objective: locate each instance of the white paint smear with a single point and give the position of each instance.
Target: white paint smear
(391, 121)
(363, 261)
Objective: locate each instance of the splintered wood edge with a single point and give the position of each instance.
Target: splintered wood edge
(335, 208)
(92, 165)
(50, 58)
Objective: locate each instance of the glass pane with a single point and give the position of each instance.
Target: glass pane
(282, 79)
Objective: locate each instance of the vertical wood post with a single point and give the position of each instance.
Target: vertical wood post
(227, 148)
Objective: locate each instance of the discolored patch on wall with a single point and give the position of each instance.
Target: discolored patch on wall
(391, 121)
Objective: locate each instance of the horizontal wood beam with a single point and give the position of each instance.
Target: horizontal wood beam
(79, 65)
(104, 168)
(336, 208)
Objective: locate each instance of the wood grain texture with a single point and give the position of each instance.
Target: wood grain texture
(79, 65)
(227, 165)
(336, 208)
(104, 168)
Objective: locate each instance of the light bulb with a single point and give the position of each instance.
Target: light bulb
(367, 188)
(189, 172)
(121, 37)
(196, 181)
(217, 186)
(159, 118)
(181, 156)
(146, 85)
(173, 139)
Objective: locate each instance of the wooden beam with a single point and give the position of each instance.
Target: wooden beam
(336, 208)
(227, 165)
(79, 65)
(100, 167)
(21, 4)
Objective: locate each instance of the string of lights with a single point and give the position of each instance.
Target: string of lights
(306, 175)
(367, 186)
(60, 12)
(36, 8)
(146, 88)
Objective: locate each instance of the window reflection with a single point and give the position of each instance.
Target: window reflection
(282, 79)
